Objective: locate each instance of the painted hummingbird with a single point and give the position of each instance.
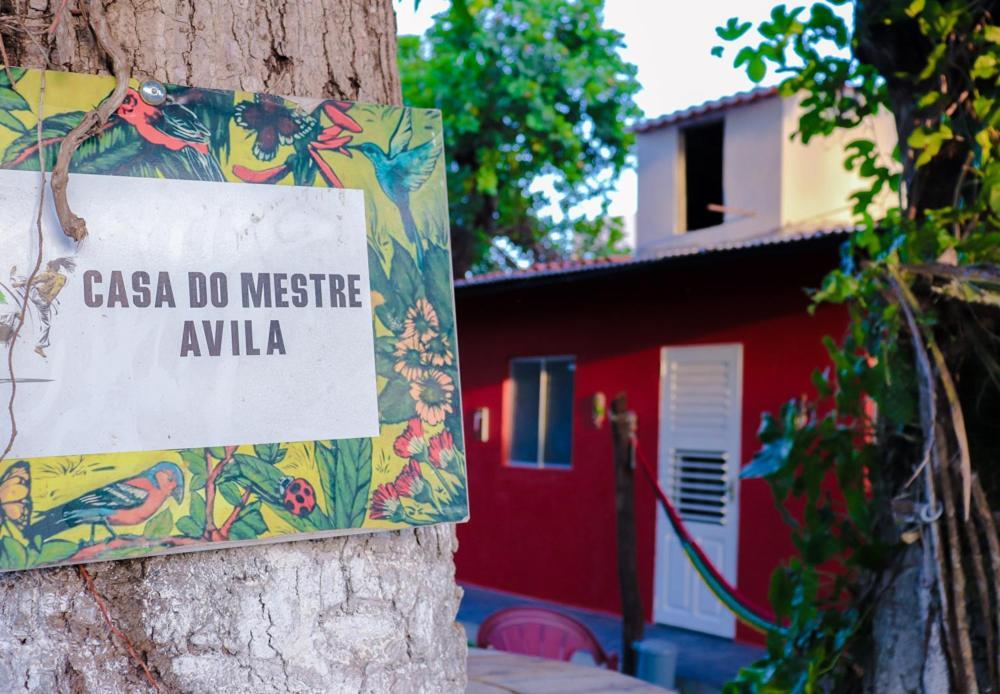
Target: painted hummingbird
(176, 128)
(402, 170)
(126, 502)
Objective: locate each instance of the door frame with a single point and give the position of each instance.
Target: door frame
(661, 566)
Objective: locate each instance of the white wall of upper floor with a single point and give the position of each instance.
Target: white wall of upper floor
(772, 184)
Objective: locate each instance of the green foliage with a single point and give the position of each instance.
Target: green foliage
(159, 526)
(527, 88)
(935, 64)
(352, 476)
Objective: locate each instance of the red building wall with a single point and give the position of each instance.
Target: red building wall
(550, 533)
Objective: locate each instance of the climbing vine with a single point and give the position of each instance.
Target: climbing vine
(891, 458)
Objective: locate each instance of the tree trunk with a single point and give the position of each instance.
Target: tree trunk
(361, 613)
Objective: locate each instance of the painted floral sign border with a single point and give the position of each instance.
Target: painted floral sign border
(98, 507)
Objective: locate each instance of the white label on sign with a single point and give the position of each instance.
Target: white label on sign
(196, 314)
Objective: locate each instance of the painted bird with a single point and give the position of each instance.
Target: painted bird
(174, 126)
(402, 170)
(125, 502)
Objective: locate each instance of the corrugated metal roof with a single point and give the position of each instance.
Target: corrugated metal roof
(726, 102)
(569, 267)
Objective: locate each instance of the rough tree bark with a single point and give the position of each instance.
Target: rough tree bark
(360, 613)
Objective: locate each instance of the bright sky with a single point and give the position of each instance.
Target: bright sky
(669, 41)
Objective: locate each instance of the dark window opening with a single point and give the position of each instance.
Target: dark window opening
(703, 175)
(542, 411)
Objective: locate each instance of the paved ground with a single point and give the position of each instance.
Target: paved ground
(704, 662)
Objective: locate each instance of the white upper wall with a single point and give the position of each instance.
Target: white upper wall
(772, 184)
(815, 189)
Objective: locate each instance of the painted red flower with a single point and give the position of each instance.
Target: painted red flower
(410, 482)
(412, 359)
(441, 449)
(411, 443)
(433, 393)
(421, 321)
(386, 503)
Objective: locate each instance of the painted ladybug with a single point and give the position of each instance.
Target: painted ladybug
(299, 496)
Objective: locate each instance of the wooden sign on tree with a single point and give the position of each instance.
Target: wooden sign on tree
(220, 362)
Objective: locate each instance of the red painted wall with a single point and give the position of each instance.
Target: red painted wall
(551, 533)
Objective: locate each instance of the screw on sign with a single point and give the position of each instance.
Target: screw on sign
(153, 93)
(299, 496)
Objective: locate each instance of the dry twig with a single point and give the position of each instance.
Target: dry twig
(965, 665)
(31, 277)
(85, 575)
(950, 391)
(989, 528)
(73, 226)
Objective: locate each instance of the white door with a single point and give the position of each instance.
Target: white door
(699, 460)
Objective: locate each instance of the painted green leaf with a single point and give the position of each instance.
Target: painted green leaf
(404, 275)
(10, 100)
(352, 478)
(194, 459)
(231, 491)
(437, 281)
(249, 524)
(385, 359)
(53, 551)
(13, 554)
(160, 525)
(8, 120)
(394, 401)
(326, 463)
(197, 510)
(270, 453)
(264, 478)
(190, 528)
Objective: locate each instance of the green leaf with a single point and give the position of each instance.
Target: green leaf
(756, 69)
(394, 401)
(16, 72)
(915, 7)
(985, 66)
(270, 453)
(352, 479)
(159, 526)
(10, 100)
(197, 510)
(13, 554)
(732, 29)
(326, 463)
(264, 478)
(54, 551)
(249, 524)
(190, 528)
(194, 460)
(8, 120)
(385, 358)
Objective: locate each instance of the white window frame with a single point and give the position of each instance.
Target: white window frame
(543, 383)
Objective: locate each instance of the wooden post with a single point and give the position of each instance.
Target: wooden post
(622, 429)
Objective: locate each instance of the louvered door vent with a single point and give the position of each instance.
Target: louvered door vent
(697, 485)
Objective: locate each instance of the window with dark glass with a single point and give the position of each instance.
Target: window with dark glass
(542, 411)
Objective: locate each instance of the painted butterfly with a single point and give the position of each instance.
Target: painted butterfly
(15, 494)
(273, 122)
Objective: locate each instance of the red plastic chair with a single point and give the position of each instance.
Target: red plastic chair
(540, 632)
